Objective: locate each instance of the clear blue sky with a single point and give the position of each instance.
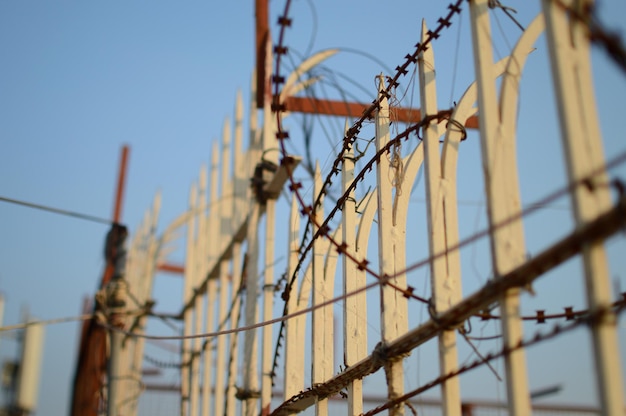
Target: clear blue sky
(79, 79)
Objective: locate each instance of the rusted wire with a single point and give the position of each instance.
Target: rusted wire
(599, 229)
(351, 134)
(535, 339)
(620, 159)
(348, 141)
(323, 230)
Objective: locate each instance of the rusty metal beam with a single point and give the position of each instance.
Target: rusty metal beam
(171, 268)
(261, 38)
(121, 182)
(351, 109)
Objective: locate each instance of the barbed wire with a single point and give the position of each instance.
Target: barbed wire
(587, 180)
(349, 138)
(351, 133)
(408, 291)
(320, 305)
(538, 337)
(541, 317)
(323, 230)
(342, 248)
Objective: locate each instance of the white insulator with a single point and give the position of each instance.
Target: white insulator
(30, 368)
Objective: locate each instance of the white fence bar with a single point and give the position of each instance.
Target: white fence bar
(502, 189)
(241, 175)
(322, 319)
(225, 213)
(270, 154)
(188, 315)
(250, 354)
(391, 242)
(209, 368)
(211, 255)
(268, 303)
(298, 299)
(354, 312)
(231, 388)
(568, 43)
(242, 171)
(250, 383)
(446, 290)
(196, 359)
(131, 369)
(142, 260)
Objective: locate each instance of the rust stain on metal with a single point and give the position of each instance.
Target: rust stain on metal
(352, 109)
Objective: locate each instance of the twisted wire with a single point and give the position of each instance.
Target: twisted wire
(280, 49)
(557, 329)
(351, 134)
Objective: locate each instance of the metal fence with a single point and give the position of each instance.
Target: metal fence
(345, 313)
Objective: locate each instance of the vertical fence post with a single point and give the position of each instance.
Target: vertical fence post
(145, 279)
(393, 304)
(354, 312)
(201, 270)
(220, 362)
(270, 154)
(268, 303)
(250, 381)
(293, 375)
(231, 389)
(143, 259)
(225, 214)
(187, 316)
(241, 178)
(211, 256)
(445, 288)
(197, 355)
(136, 259)
(242, 170)
(298, 300)
(502, 188)
(322, 327)
(250, 371)
(209, 368)
(582, 142)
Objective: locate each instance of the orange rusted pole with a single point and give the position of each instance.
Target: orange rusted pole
(351, 109)
(121, 182)
(262, 35)
(92, 360)
(171, 268)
